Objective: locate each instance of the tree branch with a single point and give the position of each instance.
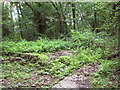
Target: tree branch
(36, 13)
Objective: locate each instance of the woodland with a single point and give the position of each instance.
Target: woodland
(44, 42)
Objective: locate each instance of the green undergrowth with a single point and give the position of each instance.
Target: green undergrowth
(58, 68)
(96, 48)
(106, 75)
(38, 46)
(88, 49)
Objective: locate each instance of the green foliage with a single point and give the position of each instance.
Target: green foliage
(93, 48)
(38, 46)
(86, 52)
(61, 67)
(95, 38)
(105, 74)
(100, 42)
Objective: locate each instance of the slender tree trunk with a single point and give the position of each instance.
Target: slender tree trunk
(20, 26)
(22, 15)
(66, 28)
(5, 15)
(59, 16)
(12, 21)
(73, 12)
(95, 20)
(11, 16)
(41, 21)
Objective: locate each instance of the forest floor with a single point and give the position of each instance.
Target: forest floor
(34, 73)
(78, 79)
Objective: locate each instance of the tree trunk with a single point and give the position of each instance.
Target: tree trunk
(22, 15)
(20, 26)
(58, 16)
(11, 16)
(65, 24)
(95, 21)
(73, 12)
(5, 28)
(41, 21)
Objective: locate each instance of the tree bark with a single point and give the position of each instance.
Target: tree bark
(20, 26)
(59, 16)
(73, 12)
(66, 28)
(11, 16)
(41, 21)
(22, 15)
(95, 20)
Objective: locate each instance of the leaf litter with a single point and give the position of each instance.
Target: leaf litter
(80, 78)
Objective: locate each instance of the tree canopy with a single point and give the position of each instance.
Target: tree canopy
(30, 20)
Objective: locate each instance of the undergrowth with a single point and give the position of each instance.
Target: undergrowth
(88, 49)
(106, 75)
(38, 46)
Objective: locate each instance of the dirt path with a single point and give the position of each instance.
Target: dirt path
(35, 79)
(80, 78)
(56, 55)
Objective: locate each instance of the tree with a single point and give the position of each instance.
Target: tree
(73, 12)
(19, 19)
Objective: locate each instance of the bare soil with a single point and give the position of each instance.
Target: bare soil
(80, 78)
